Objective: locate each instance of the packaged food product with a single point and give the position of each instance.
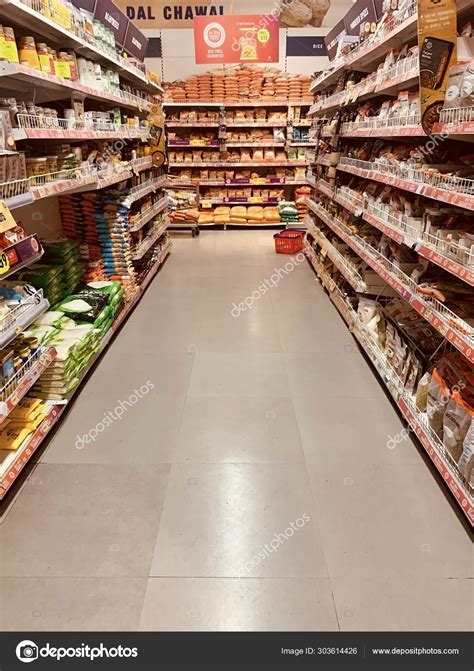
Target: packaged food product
(466, 461)
(456, 422)
(437, 401)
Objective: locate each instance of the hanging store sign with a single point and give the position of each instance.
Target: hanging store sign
(437, 47)
(135, 44)
(87, 5)
(111, 16)
(306, 46)
(250, 38)
(161, 14)
(332, 39)
(361, 18)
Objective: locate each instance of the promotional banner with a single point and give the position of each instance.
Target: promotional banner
(437, 44)
(252, 38)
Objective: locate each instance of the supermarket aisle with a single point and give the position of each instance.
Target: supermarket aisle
(247, 483)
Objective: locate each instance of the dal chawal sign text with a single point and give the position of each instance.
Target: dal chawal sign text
(162, 14)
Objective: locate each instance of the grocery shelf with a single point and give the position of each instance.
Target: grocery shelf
(192, 124)
(311, 180)
(243, 183)
(23, 14)
(149, 213)
(140, 250)
(427, 245)
(256, 124)
(12, 462)
(238, 201)
(402, 75)
(395, 228)
(255, 144)
(18, 386)
(33, 127)
(245, 102)
(18, 77)
(234, 164)
(144, 189)
(393, 35)
(20, 317)
(325, 188)
(74, 180)
(452, 190)
(349, 201)
(456, 122)
(338, 259)
(417, 420)
(429, 249)
(323, 159)
(390, 36)
(452, 327)
(22, 254)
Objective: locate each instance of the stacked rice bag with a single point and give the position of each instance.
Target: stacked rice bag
(288, 212)
(76, 329)
(75, 346)
(101, 222)
(65, 254)
(47, 277)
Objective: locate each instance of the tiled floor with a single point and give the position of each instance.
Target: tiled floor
(247, 484)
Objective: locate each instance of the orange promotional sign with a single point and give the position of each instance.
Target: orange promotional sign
(250, 38)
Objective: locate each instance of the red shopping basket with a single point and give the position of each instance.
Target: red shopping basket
(289, 242)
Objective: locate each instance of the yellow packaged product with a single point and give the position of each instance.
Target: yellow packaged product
(27, 52)
(30, 425)
(2, 44)
(9, 49)
(11, 439)
(25, 407)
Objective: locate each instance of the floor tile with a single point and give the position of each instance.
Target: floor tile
(123, 368)
(245, 374)
(84, 521)
(333, 374)
(416, 603)
(239, 430)
(238, 328)
(143, 431)
(379, 522)
(355, 431)
(249, 604)
(71, 604)
(217, 518)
